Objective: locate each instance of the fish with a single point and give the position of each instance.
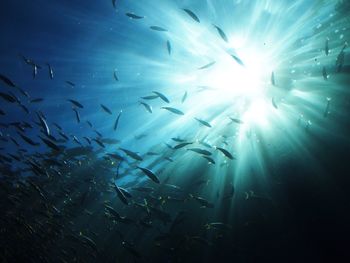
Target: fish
(326, 112)
(36, 100)
(177, 140)
(200, 151)
(151, 97)
(168, 46)
(57, 126)
(28, 140)
(158, 28)
(273, 82)
(326, 48)
(114, 3)
(130, 248)
(43, 124)
(120, 194)
(207, 65)
(184, 97)
(209, 159)
(205, 123)
(238, 121)
(50, 70)
(87, 140)
(89, 123)
(24, 108)
(117, 120)
(99, 142)
(150, 174)
(181, 145)
(106, 109)
(63, 135)
(204, 203)
(173, 110)
(221, 33)
(133, 16)
(115, 75)
(132, 154)
(147, 107)
(50, 144)
(238, 60)
(77, 115)
(225, 152)
(274, 103)
(35, 71)
(324, 73)
(162, 96)
(70, 83)
(76, 103)
(7, 81)
(8, 97)
(192, 15)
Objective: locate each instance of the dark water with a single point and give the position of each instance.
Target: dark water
(239, 111)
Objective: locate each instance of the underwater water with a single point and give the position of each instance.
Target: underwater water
(174, 131)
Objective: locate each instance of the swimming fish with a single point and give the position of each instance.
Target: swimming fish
(8, 97)
(207, 65)
(115, 75)
(158, 28)
(273, 82)
(132, 154)
(147, 107)
(76, 114)
(181, 145)
(168, 46)
(238, 60)
(192, 15)
(36, 100)
(133, 16)
(238, 121)
(274, 103)
(117, 120)
(151, 97)
(184, 97)
(76, 103)
(162, 96)
(106, 109)
(221, 33)
(70, 83)
(324, 73)
(7, 81)
(50, 70)
(173, 110)
(200, 151)
(120, 194)
(150, 174)
(326, 48)
(225, 152)
(205, 123)
(326, 112)
(44, 124)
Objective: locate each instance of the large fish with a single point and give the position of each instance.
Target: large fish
(150, 174)
(173, 110)
(192, 15)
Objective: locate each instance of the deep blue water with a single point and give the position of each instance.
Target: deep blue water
(258, 89)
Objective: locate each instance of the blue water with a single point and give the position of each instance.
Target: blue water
(289, 143)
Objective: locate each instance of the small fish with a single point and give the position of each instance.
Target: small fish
(35, 71)
(204, 203)
(200, 151)
(63, 135)
(8, 97)
(207, 65)
(76, 103)
(114, 3)
(177, 140)
(106, 109)
(151, 97)
(324, 73)
(150, 174)
(28, 140)
(181, 145)
(205, 123)
(44, 124)
(168, 46)
(221, 33)
(158, 28)
(133, 16)
(130, 248)
(326, 48)
(162, 96)
(132, 154)
(147, 107)
(273, 82)
(36, 100)
(225, 152)
(184, 97)
(7, 81)
(87, 139)
(120, 194)
(89, 123)
(50, 144)
(274, 103)
(326, 112)
(238, 121)
(99, 142)
(117, 120)
(77, 115)
(173, 110)
(209, 159)
(57, 126)
(70, 83)
(115, 75)
(24, 108)
(192, 15)
(238, 60)
(50, 70)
